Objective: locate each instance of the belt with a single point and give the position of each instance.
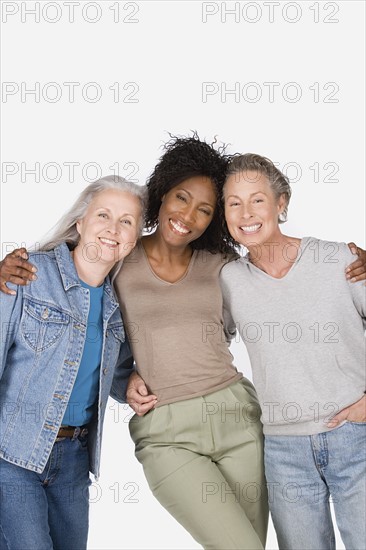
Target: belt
(72, 431)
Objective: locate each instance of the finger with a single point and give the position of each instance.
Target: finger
(134, 397)
(18, 280)
(21, 253)
(357, 273)
(136, 406)
(25, 266)
(20, 273)
(141, 387)
(360, 252)
(29, 267)
(343, 415)
(7, 290)
(148, 398)
(143, 409)
(356, 278)
(353, 248)
(355, 265)
(12, 261)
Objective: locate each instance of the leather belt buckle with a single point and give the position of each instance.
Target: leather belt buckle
(73, 432)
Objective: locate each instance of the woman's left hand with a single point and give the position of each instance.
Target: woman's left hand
(353, 413)
(356, 271)
(138, 396)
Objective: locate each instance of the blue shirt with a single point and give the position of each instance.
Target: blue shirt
(79, 410)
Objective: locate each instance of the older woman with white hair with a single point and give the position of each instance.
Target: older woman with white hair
(63, 351)
(303, 325)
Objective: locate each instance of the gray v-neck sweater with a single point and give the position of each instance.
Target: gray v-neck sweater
(304, 334)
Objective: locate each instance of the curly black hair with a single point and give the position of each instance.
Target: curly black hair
(183, 158)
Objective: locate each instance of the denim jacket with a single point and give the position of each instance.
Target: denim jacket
(43, 331)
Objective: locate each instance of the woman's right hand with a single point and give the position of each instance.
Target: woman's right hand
(138, 397)
(14, 268)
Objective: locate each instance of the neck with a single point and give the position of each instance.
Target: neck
(276, 256)
(92, 273)
(156, 246)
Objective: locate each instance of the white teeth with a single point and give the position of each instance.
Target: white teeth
(179, 228)
(108, 241)
(250, 228)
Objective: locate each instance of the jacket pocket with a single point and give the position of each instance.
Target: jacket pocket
(42, 325)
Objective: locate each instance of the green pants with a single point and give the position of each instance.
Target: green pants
(203, 460)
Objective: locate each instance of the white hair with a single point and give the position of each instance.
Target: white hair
(65, 229)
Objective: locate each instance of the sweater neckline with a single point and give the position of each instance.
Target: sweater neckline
(182, 278)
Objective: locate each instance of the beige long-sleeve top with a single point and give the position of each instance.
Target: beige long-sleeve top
(176, 329)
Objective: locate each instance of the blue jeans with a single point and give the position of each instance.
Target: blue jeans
(303, 473)
(47, 511)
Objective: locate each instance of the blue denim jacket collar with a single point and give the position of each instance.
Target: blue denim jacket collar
(71, 279)
(66, 266)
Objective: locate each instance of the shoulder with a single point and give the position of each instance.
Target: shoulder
(40, 256)
(234, 267)
(326, 252)
(132, 260)
(41, 253)
(216, 259)
(54, 267)
(233, 276)
(44, 261)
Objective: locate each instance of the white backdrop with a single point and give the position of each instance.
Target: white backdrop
(93, 88)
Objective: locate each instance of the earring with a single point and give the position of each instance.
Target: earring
(282, 217)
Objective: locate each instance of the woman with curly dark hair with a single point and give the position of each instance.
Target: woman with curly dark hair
(201, 445)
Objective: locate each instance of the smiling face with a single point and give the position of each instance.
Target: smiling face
(110, 227)
(187, 210)
(252, 209)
